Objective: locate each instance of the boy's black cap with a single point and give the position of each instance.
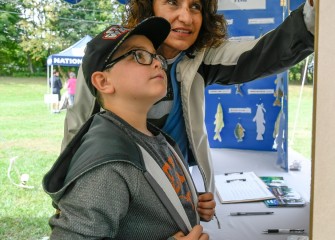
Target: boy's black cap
(101, 48)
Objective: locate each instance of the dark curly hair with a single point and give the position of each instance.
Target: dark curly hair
(213, 29)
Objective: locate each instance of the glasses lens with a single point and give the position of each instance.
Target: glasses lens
(163, 61)
(143, 57)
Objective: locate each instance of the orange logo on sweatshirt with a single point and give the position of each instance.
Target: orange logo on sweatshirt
(177, 180)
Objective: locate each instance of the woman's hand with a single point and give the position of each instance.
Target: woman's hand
(206, 206)
(311, 2)
(195, 234)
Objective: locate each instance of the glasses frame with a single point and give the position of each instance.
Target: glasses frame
(160, 58)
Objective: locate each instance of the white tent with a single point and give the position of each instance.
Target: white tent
(72, 56)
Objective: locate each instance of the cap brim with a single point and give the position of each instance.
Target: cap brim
(155, 28)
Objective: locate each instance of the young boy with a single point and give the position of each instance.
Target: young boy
(120, 177)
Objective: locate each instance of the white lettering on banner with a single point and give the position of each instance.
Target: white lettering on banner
(261, 91)
(71, 61)
(242, 38)
(230, 21)
(219, 91)
(239, 110)
(261, 21)
(241, 4)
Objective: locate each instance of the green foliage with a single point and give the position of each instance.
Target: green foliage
(29, 74)
(296, 72)
(90, 18)
(10, 51)
(35, 29)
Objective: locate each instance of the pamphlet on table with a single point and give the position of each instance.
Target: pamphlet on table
(285, 195)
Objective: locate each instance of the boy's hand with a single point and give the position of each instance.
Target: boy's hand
(206, 206)
(195, 234)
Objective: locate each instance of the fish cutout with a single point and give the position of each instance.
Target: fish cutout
(276, 127)
(239, 132)
(219, 124)
(239, 89)
(279, 141)
(260, 121)
(279, 92)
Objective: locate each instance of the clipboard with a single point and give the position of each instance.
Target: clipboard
(238, 187)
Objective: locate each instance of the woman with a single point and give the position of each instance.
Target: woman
(71, 87)
(199, 55)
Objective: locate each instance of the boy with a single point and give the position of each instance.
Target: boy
(120, 177)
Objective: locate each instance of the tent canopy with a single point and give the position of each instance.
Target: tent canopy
(72, 56)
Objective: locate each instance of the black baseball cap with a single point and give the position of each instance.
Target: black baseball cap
(100, 49)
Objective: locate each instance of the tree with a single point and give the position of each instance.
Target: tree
(35, 29)
(10, 52)
(87, 18)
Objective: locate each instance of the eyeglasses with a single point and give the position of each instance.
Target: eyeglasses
(141, 56)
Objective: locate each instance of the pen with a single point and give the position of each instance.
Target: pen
(284, 231)
(249, 213)
(240, 179)
(227, 173)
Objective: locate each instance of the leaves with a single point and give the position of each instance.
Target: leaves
(34, 29)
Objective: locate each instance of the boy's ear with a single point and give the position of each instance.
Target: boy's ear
(101, 82)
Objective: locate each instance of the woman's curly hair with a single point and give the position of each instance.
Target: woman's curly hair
(213, 29)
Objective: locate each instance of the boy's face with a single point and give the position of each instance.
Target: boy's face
(133, 81)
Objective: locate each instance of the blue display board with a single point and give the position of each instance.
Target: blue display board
(249, 112)
(254, 114)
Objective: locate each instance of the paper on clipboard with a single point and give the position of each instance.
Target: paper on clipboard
(241, 187)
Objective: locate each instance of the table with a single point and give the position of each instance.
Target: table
(251, 227)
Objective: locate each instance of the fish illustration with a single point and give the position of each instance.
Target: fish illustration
(219, 124)
(279, 92)
(239, 132)
(260, 121)
(238, 89)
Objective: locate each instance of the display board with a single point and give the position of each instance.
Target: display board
(252, 115)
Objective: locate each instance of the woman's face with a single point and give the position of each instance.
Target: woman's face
(185, 17)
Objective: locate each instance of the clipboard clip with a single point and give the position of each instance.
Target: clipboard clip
(238, 179)
(233, 173)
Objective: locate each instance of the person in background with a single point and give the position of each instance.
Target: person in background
(56, 85)
(121, 177)
(199, 55)
(71, 87)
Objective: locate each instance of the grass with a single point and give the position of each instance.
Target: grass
(30, 131)
(300, 119)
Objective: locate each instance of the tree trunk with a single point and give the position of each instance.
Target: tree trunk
(30, 64)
